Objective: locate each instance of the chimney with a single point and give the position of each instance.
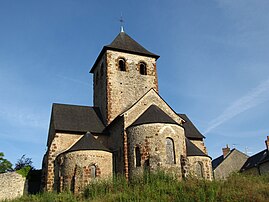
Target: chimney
(225, 151)
(267, 143)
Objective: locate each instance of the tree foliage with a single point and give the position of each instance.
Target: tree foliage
(24, 162)
(5, 165)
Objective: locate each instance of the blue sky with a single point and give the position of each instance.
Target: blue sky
(213, 65)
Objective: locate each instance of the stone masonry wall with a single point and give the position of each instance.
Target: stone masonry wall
(75, 170)
(264, 168)
(200, 144)
(146, 101)
(60, 143)
(151, 140)
(116, 144)
(206, 166)
(12, 185)
(100, 87)
(124, 88)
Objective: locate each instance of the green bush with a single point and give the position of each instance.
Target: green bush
(24, 171)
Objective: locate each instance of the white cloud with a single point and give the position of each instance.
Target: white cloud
(255, 97)
(23, 117)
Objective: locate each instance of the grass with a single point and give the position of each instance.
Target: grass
(162, 187)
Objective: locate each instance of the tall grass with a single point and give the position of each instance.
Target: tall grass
(164, 187)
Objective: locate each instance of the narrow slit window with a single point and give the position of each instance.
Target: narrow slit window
(137, 157)
(93, 171)
(122, 65)
(143, 68)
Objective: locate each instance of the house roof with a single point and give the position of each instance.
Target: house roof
(217, 161)
(153, 115)
(74, 118)
(124, 43)
(193, 150)
(87, 142)
(191, 131)
(256, 159)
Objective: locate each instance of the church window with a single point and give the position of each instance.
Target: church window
(122, 64)
(93, 171)
(170, 151)
(143, 68)
(137, 157)
(199, 169)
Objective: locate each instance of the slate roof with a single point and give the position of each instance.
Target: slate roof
(153, 115)
(191, 131)
(217, 161)
(124, 43)
(75, 118)
(256, 159)
(193, 150)
(87, 142)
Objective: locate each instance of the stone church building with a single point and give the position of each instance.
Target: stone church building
(129, 130)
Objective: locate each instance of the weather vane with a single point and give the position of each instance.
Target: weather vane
(121, 23)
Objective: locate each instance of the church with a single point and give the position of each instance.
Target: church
(129, 130)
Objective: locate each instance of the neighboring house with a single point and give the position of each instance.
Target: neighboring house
(258, 164)
(231, 161)
(129, 130)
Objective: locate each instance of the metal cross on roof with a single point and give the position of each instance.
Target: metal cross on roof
(121, 24)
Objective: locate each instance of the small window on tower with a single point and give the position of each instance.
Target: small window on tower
(122, 65)
(143, 68)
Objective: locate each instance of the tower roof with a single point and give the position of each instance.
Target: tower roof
(154, 115)
(124, 43)
(87, 142)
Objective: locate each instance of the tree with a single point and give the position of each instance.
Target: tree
(5, 165)
(24, 162)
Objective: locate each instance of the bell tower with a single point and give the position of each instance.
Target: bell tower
(123, 72)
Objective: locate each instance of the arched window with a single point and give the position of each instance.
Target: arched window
(137, 157)
(93, 171)
(122, 65)
(143, 68)
(170, 151)
(199, 169)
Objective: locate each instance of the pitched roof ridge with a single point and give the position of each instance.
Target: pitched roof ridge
(126, 43)
(123, 42)
(87, 142)
(153, 114)
(75, 105)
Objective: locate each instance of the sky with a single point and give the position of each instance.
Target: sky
(213, 65)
